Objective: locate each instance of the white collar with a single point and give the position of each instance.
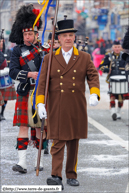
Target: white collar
(70, 51)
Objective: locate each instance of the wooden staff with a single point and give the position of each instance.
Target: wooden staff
(47, 83)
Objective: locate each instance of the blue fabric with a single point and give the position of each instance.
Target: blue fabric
(49, 4)
(45, 20)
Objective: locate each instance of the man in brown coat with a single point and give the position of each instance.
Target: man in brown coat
(66, 104)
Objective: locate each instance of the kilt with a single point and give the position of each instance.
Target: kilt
(21, 111)
(8, 93)
(1, 99)
(126, 96)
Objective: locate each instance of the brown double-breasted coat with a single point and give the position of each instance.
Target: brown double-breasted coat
(66, 104)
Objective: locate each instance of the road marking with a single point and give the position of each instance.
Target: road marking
(113, 136)
(127, 190)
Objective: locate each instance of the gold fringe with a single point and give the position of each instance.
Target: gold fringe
(31, 99)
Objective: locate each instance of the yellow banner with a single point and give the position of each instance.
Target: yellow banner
(45, 2)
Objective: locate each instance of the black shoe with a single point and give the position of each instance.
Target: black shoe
(2, 117)
(114, 116)
(40, 168)
(72, 182)
(55, 181)
(46, 151)
(18, 168)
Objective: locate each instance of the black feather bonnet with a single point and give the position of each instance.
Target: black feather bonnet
(24, 21)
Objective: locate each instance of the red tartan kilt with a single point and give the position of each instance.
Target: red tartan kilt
(21, 111)
(126, 96)
(1, 99)
(8, 93)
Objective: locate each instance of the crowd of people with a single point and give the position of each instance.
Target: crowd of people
(97, 50)
(66, 114)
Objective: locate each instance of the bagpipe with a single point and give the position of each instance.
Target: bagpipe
(82, 45)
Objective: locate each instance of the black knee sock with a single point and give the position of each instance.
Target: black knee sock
(3, 108)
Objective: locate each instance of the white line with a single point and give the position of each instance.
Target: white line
(127, 190)
(112, 136)
(109, 133)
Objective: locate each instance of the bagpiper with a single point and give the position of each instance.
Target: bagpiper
(24, 66)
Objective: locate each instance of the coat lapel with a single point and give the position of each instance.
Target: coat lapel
(71, 63)
(59, 57)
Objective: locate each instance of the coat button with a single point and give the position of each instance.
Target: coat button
(73, 84)
(75, 71)
(61, 77)
(62, 90)
(61, 83)
(73, 78)
(73, 90)
(58, 70)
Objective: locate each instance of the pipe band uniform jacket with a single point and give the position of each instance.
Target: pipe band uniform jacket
(17, 71)
(66, 104)
(109, 59)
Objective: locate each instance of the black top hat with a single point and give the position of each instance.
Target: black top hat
(116, 42)
(65, 26)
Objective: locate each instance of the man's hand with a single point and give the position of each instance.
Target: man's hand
(33, 75)
(42, 111)
(93, 100)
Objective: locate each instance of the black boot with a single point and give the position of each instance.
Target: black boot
(18, 168)
(72, 182)
(55, 180)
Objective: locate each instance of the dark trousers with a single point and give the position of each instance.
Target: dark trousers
(57, 152)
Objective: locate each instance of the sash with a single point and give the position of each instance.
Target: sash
(27, 57)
